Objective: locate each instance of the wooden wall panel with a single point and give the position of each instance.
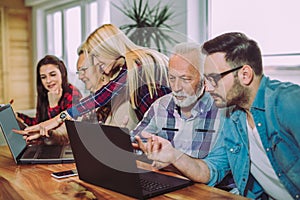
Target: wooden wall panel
(17, 70)
(1, 54)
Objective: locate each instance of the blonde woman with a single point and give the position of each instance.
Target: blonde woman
(140, 71)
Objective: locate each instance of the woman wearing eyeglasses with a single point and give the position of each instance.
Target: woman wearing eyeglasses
(137, 73)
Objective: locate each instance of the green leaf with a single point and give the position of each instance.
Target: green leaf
(150, 23)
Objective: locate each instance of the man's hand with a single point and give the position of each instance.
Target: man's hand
(157, 149)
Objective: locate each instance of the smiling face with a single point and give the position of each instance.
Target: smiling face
(184, 80)
(51, 77)
(89, 75)
(105, 65)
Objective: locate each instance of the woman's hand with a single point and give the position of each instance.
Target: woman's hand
(38, 130)
(54, 97)
(18, 118)
(28, 136)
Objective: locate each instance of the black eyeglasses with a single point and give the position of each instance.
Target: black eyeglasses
(214, 78)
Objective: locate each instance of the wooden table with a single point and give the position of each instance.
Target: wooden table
(34, 182)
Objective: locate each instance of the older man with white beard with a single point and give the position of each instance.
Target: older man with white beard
(187, 117)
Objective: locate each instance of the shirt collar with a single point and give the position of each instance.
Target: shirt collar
(259, 102)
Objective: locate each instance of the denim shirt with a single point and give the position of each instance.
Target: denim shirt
(276, 111)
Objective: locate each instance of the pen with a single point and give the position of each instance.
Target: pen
(205, 130)
(197, 130)
(170, 129)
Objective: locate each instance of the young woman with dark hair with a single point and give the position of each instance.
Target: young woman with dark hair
(54, 93)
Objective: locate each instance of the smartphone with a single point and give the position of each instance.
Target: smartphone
(64, 174)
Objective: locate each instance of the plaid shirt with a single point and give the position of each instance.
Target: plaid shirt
(71, 96)
(194, 136)
(113, 88)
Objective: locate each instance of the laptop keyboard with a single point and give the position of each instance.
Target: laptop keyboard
(50, 151)
(30, 152)
(151, 186)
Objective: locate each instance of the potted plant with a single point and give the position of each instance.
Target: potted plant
(149, 27)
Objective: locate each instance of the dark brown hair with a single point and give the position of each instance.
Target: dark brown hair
(238, 49)
(42, 93)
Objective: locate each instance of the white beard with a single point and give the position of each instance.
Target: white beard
(189, 100)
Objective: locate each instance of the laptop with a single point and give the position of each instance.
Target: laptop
(104, 157)
(24, 153)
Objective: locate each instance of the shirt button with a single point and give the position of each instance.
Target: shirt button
(268, 149)
(297, 196)
(279, 174)
(259, 124)
(231, 150)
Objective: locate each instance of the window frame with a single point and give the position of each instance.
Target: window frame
(265, 55)
(62, 9)
(39, 16)
(283, 66)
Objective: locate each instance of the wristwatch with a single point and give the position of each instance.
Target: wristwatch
(63, 116)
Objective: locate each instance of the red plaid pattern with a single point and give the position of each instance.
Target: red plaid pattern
(70, 97)
(113, 88)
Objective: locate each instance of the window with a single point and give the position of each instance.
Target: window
(273, 24)
(54, 33)
(66, 26)
(73, 36)
(92, 16)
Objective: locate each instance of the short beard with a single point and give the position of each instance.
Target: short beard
(238, 95)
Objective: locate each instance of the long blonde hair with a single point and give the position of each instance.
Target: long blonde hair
(144, 65)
